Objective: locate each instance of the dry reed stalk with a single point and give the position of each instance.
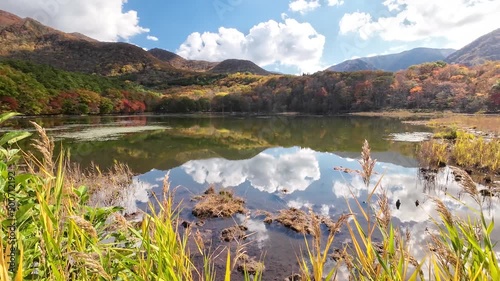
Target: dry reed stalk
(85, 225)
(45, 145)
(466, 182)
(384, 214)
(90, 262)
(442, 252)
(367, 163)
(118, 223)
(445, 213)
(340, 222)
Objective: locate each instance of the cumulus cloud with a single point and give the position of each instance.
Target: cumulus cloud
(292, 171)
(102, 20)
(355, 22)
(152, 38)
(335, 2)
(289, 43)
(304, 6)
(457, 21)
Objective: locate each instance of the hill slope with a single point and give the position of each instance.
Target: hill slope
(235, 65)
(180, 62)
(352, 65)
(28, 39)
(486, 47)
(394, 62)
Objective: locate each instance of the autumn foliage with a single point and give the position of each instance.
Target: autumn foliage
(33, 89)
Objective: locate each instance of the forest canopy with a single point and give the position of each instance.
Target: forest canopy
(38, 89)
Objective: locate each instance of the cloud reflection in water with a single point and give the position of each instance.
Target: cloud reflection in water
(270, 171)
(306, 174)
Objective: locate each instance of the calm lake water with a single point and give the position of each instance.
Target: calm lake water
(272, 162)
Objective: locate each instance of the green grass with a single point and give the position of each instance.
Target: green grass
(465, 150)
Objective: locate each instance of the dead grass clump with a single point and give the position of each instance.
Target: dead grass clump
(268, 217)
(222, 204)
(295, 219)
(109, 188)
(236, 233)
(249, 265)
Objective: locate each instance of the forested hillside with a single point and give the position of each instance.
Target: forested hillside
(433, 86)
(38, 89)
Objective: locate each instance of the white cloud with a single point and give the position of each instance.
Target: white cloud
(102, 20)
(299, 204)
(287, 43)
(152, 38)
(335, 2)
(355, 22)
(304, 6)
(456, 21)
(257, 228)
(291, 171)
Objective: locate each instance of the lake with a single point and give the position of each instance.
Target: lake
(272, 162)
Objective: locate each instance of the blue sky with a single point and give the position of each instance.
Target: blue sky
(290, 36)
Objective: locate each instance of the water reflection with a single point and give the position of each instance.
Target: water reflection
(302, 178)
(273, 163)
(277, 169)
(165, 142)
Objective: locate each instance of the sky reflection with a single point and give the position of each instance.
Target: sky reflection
(302, 178)
(270, 171)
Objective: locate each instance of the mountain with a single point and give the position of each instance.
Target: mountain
(7, 19)
(394, 62)
(28, 39)
(235, 65)
(227, 66)
(180, 62)
(352, 65)
(486, 47)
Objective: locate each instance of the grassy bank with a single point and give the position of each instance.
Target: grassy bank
(466, 150)
(478, 124)
(53, 228)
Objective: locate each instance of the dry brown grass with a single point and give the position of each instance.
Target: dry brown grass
(107, 188)
(484, 123)
(402, 114)
(295, 219)
(235, 232)
(222, 204)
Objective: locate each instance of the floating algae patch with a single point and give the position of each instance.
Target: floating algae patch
(222, 204)
(410, 136)
(106, 133)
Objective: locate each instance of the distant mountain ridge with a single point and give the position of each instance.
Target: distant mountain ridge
(28, 39)
(394, 62)
(352, 65)
(180, 62)
(235, 65)
(486, 47)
